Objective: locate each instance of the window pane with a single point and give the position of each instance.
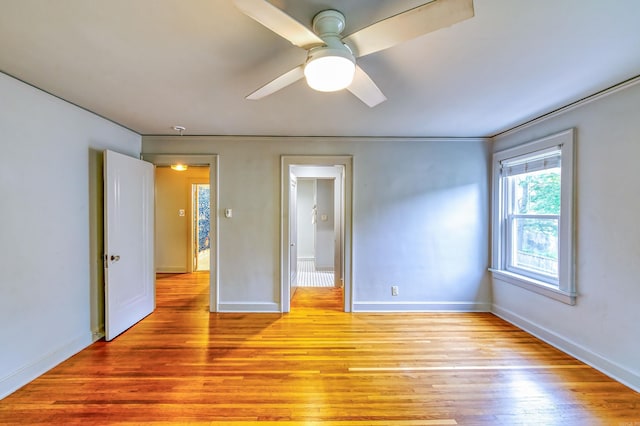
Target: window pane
(535, 245)
(536, 192)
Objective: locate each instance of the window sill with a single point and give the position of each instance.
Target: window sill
(535, 286)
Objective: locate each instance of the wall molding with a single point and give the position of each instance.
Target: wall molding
(421, 307)
(249, 307)
(308, 139)
(28, 372)
(597, 361)
(569, 107)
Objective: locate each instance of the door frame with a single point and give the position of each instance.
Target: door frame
(212, 162)
(287, 162)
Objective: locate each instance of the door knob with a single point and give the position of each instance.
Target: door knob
(114, 257)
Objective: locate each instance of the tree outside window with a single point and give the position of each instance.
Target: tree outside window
(535, 215)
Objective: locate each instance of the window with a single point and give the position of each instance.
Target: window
(532, 216)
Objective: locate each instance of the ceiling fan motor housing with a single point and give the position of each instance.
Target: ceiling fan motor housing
(328, 22)
(329, 25)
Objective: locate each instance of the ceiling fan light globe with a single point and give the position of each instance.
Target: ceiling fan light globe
(329, 73)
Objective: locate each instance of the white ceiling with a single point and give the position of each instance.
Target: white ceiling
(153, 64)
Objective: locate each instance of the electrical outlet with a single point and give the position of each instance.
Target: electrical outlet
(394, 290)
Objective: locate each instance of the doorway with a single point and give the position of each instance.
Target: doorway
(182, 219)
(199, 219)
(317, 230)
(333, 233)
(200, 242)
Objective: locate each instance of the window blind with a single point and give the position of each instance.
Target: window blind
(534, 162)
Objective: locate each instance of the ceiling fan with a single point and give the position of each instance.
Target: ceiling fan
(331, 58)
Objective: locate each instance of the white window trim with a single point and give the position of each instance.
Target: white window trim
(565, 291)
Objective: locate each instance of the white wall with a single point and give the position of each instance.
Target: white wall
(51, 293)
(603, 328)
(420, 218)
(325, 232)
(306, 229)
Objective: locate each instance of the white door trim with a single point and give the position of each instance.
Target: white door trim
(310, 160)
(212, 162)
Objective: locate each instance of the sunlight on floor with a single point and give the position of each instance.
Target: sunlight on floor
(203, 260)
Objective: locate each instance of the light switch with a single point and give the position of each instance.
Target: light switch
(181, 212)
(228, 213)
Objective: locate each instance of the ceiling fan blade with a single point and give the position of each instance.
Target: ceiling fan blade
(409, 24)
(279, 22)
(281, 82)
(365, 89)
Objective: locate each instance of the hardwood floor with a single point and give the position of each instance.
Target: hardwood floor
(318, 365)
(324, 298)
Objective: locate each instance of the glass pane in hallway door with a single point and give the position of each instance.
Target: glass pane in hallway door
(201, 224)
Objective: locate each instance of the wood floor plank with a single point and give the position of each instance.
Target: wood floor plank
(318, 366)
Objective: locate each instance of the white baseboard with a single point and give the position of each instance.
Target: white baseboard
(600, 363)
(14, 381)
(256, 307)
(170, 270)
(421, 307)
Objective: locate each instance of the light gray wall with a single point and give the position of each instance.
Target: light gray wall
(420, 217)
(603, 327)
(51, 291)
(172, 230)
(306, 229)
(325, 232)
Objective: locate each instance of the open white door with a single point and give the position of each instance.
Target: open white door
(128, 242)
(293, 234)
